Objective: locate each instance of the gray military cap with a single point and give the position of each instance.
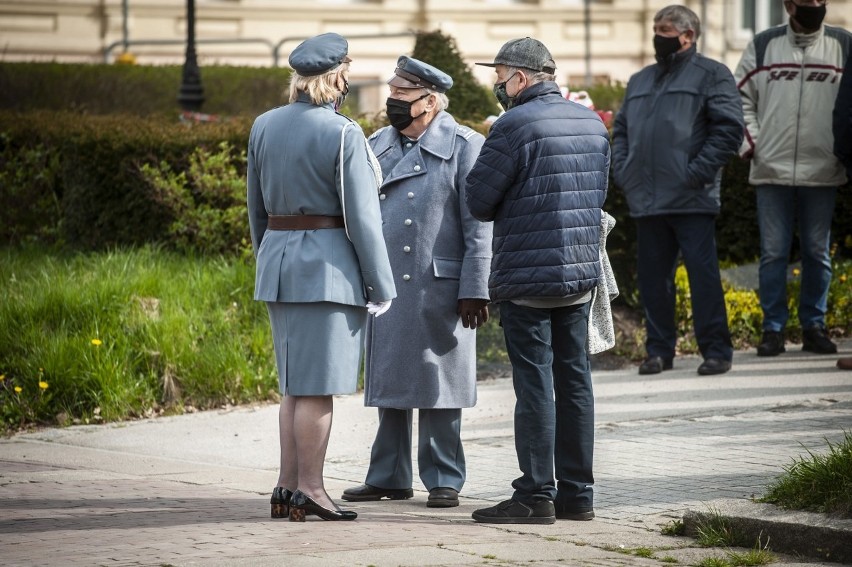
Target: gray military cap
(319, 54)
(524, 52)
(411, 73)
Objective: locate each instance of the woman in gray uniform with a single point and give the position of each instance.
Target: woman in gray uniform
(322, 264)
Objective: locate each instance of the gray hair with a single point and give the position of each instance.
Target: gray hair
(682, 18)
(442, 101)
(533, 77)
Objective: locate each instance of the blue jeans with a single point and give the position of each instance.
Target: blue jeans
(777, 209)
(659, 239)
(554, 407)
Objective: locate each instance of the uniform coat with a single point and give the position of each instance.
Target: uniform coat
(305, 159)
(294, 168)
(418, 354)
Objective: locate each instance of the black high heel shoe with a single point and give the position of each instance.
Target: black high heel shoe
(301, 504)
(280, 502)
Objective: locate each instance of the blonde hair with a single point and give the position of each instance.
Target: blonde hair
(321, 88)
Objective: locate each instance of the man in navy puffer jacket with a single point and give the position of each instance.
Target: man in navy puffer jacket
(542, 178)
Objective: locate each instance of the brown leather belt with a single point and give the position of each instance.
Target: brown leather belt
(303, 222)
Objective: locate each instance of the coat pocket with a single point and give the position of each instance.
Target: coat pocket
(447, 268)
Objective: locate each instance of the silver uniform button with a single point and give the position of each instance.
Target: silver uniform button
(416, 168)
(408, 145)
(411, 195)
(406, 249)
(406, 277)
(382, 197)
(407, 222)
(369, 288)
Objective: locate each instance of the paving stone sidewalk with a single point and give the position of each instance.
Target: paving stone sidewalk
(193, 490)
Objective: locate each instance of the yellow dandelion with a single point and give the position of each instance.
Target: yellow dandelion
(796, 272)
(97, 342)
(842, 280)
(2, 377)
(18, 389)
(42, 385)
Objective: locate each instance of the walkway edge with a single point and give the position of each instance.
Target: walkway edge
(786, 531)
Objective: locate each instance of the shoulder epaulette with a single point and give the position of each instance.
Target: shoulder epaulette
(465, 132)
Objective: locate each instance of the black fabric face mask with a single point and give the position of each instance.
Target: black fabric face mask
(338, 102)
(665, 46)
(502, 96)
(810, 17)
(399, 112)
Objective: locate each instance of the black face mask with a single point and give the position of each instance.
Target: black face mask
(399, 112)
(503, 97)
(665, 46)
(810, 17)
(338, 102)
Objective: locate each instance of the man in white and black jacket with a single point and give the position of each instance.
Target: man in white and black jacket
(788, 78)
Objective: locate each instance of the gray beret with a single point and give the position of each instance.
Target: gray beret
(412, 73)
(319, 54)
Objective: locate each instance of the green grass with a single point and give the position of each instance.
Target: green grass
(818, 483)
(714, 530)
(673, 528)
(174, 331)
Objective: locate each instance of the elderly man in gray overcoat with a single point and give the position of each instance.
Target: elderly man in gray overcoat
(422, 353)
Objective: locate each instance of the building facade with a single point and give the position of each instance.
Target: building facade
(591, 40)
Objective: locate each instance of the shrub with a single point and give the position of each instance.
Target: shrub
(469, 100)
(140, 90)
(206, 202)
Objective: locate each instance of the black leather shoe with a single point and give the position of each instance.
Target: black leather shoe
(771, 344)
(443, 498)
(367, 493)
(301, 505)
(714, 366)
(280, 502)
(816, 340)
(655, 365)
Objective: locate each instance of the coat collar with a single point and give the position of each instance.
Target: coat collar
(536, 90)
(439, 139)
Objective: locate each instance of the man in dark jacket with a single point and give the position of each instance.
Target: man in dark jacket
(681, 121)
(542, 178)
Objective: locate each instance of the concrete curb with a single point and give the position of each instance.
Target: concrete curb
(786, 531)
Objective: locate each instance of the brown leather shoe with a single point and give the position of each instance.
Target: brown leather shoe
(845, 363)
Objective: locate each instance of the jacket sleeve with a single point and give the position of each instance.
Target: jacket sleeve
(724, 115)
(842, 126)
(476, 263)
(258, 218)
(620, 147)
(747, 85)
(357, 186)
(491, 176)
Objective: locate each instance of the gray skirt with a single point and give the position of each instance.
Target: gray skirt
(318, 347)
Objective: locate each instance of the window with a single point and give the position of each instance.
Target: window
(758, 15)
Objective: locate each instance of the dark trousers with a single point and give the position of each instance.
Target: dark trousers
(659, 238)
(555, 406)
(440, 456)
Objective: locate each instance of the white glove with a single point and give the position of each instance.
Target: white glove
(378, 308)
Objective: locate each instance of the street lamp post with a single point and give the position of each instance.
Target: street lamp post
(587, 21)
(191, 95)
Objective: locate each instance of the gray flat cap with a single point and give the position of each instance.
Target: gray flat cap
(524, 52)
(319, 54)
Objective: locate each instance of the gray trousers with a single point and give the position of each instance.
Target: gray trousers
(440, 457)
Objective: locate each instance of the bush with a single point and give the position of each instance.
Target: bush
(469, 100)
(97, 162)
(138, 90)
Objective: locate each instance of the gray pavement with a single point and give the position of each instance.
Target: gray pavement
(194, 489)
